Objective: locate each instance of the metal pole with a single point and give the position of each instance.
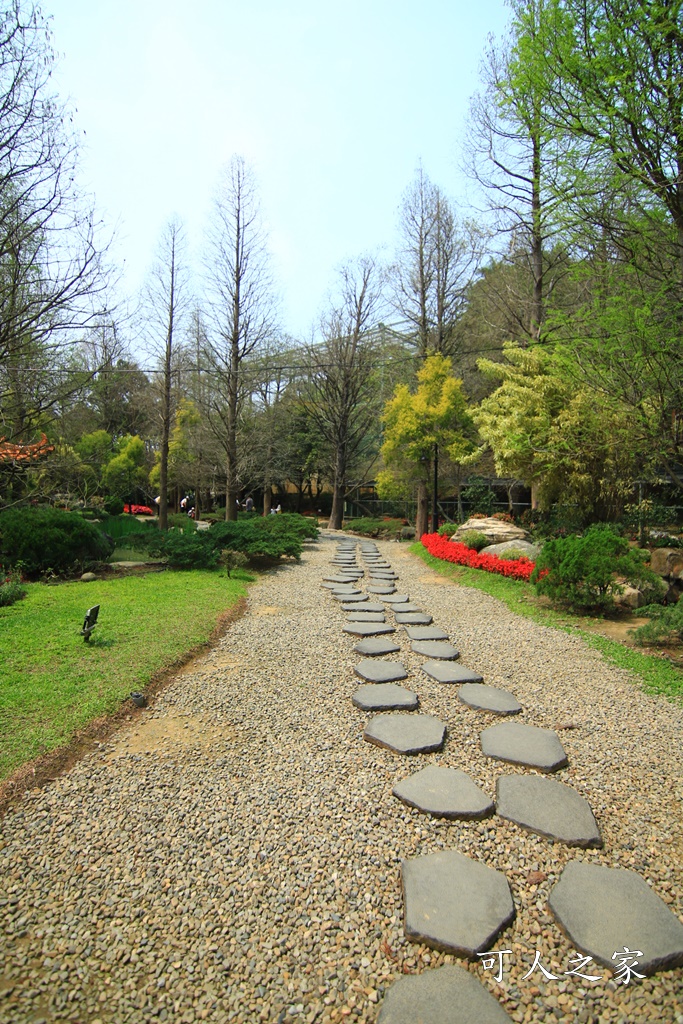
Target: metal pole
(435, 508)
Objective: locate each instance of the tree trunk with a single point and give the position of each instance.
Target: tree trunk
(422, 516)
(267, 500)
(337, 514)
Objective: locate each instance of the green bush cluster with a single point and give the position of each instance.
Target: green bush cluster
(474, 539)
(368, 526)
(44, 539)
(11, 589)
(267, 537)
(581, 572)
(665, 623)
(185, 550)
(448, 529)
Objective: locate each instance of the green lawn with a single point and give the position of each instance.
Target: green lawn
(655, 674)
(52, 682)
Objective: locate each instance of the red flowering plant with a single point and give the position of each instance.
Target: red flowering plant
(460, 554)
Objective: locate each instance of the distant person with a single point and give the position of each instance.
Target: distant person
(183, 503)
(278, 509)
(249, 504)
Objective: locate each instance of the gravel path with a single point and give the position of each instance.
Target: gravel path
(234, 854)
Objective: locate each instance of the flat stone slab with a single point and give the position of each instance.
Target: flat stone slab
(446, 995)
(414, 619)
(396, 599)
(606, 910)
(380, 671)
(454, 904)
(548, 808)
(383, 574)
(371, 606)
(489, 698)
(524, 744)
(368, 628)
(449, 673)
(385, 697)
(351, 596)
(336, 579)
(444, 793)
(381, 590)
(363, 616)
(375, 647)
(435, 649)
(425, 632)
(406, 734)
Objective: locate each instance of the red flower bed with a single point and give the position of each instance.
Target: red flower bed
(138, 510)
(460, 554)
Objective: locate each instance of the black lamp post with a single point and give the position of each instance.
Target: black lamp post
(435, 508)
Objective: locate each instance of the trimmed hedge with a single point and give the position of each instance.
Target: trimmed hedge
(45, 539)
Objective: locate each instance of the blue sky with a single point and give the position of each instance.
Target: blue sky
(333, 105)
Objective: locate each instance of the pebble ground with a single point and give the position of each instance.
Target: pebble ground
(234, 854)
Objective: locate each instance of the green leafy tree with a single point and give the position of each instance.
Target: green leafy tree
(126, 472)
(431, 422)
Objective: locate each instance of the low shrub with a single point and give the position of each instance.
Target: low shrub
(513, 554)
(185, 550)
(46, 539)
(368, 526)
(474, 540)
(580, 572)
(459, 554)
(666, 623)
(11, 589)
(233, 560)
(448, 529)
(665, 542)
(259, 537)
(113, 506)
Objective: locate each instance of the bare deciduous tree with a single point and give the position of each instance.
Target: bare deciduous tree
(166, 306)
(52, 279)
(241, 306)
(435, 263)
(341, 383)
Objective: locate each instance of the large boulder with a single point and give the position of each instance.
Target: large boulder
(667, 562)
(523, 547)
(495, 530)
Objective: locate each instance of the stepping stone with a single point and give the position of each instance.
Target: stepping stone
(385, 697)
(450, 673)
(488, 698)
(435, 649)
(368, 628)
(444, 793)
(363, 616)
(381, 590)
(328, 586)
(548, 808)
(414, 619)
(524, 744)
(380, 671)
(425, 632)
(396, 599)
(606, 910)
(407, 606)
(446, 995)
(341, 580)
(351, 597)
(383, 574)
(454, 904)
(371, 606)
(374, 647)
(406, 734)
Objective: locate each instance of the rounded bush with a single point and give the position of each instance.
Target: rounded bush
(42, 539)
(474, 539)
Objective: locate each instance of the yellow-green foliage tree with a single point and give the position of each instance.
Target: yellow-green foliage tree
(126, 471)
(567, 442)
(432, 420)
